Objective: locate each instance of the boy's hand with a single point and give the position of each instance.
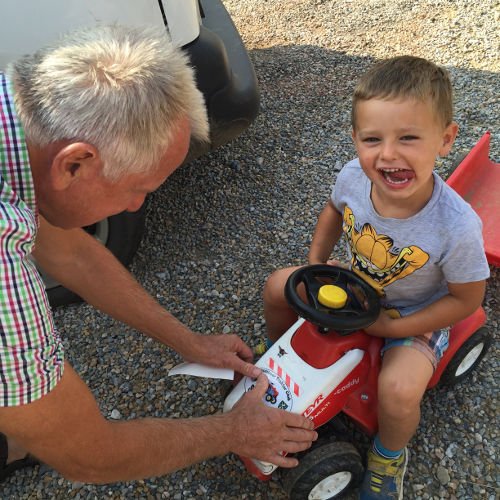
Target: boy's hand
(337, 263)
(329, 262)
(382, 327)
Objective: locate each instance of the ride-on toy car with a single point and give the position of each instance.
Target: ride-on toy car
(325, 366)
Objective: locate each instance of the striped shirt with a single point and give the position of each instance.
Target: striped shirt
(31, 352)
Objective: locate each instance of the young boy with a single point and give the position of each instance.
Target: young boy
(409, 235)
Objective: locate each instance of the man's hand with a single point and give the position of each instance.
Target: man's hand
(221, 351)
(56, 429)
(265, 433)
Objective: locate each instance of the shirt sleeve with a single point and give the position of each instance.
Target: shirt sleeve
(31, 352)
(465, 260)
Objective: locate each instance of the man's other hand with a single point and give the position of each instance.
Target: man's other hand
(266, 433)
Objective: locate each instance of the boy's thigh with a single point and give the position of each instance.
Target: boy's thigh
(409, 363)
(405, 371)
(275, 284)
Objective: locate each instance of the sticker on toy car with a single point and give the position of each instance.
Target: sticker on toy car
(278, 394)
(293, 386)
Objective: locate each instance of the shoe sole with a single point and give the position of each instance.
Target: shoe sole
(406, 452)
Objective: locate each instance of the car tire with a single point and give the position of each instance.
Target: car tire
(467, 358)
(328, 470)
(121, 234)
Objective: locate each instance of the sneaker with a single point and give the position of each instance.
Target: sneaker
(384, 477)
(260, 349)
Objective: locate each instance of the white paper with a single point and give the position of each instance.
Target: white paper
(198, 370)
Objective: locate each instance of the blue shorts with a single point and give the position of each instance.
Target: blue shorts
(432, 345)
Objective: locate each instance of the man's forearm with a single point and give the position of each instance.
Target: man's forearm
(163, 446)
(66, 430)
(86, 267)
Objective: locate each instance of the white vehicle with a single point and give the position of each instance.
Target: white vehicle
(203, 28)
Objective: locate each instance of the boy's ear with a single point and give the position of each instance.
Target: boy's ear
(74, 162)
(449, 136)
(354, 137)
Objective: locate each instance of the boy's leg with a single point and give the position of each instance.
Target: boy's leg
(402, 382)
(13, 457)
(407, 367)
(277, 313)
(16, 452)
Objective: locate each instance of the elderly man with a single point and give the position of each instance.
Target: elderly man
(88, 128)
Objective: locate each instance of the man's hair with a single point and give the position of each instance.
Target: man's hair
(123, 90)
(407, 77)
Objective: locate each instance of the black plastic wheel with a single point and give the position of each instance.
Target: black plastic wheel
(467, 358)
(121, 234)
(327, 470)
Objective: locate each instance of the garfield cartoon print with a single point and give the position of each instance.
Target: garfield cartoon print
(375, 257)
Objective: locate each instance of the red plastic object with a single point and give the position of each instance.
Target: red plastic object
(477, 180)
(458, 335)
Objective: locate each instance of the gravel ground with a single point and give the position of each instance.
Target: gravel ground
(220, 225)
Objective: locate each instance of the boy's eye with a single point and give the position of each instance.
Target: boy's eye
(370, 139)
(409, 137)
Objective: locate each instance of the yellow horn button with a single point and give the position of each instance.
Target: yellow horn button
(332, 296)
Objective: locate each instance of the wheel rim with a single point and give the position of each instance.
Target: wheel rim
(470, 359)
(331, 486)
(99, 230)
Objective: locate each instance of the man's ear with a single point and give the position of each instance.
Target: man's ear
(449, 136)
(74, 162)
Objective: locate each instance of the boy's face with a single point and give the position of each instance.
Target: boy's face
(397, 143)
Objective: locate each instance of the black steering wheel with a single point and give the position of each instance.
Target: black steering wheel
(362, 304)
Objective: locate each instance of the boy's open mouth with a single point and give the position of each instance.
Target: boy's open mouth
(397, 175)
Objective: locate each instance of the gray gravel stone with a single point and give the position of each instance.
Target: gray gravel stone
(222, 224)
(443, 475)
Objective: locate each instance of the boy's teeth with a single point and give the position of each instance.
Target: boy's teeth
(396, 175)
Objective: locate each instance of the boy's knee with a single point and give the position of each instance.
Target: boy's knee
(399, 395)
(274, 287)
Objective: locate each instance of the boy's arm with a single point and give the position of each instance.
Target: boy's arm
(328, 231)
(462, 300)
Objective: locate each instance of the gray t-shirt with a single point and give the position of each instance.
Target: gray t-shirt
(410, 260)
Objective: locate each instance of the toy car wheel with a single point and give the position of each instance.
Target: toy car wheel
(467, 357)
(121, 234)
(326, 471)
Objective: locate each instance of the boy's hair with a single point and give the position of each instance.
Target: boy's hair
(123, 90)
(407, 77)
